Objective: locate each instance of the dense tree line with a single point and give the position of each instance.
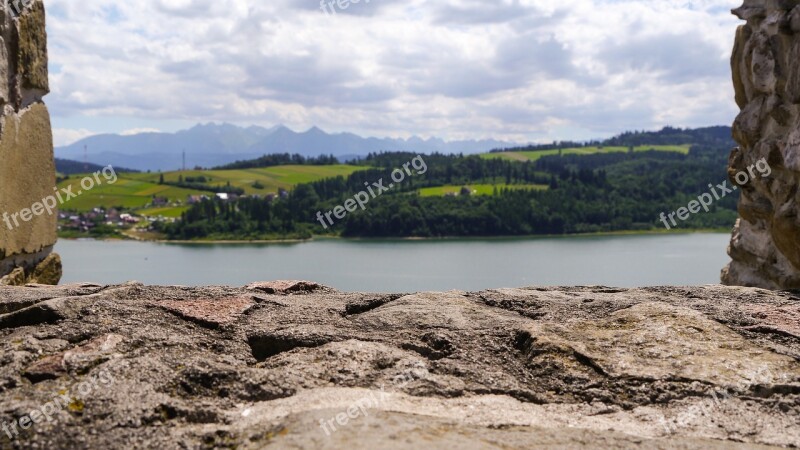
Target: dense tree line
(441, 170)
(556, 145)
(69, 167)
(587, 193)
(247, 218)
(281, 159)
(717, 137)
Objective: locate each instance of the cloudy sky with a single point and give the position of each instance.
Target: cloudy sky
(519, 70)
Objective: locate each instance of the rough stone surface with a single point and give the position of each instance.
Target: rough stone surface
(285, 287)
(47, 271)
(765, 247)
(15, 278)
(27, 169)
(570, 368)
(33, 49)
(209, 312)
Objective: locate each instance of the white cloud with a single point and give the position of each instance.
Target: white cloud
(64, 136)
(134, 131)
(509, 69)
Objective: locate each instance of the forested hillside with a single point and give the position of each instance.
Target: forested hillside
(625, 191)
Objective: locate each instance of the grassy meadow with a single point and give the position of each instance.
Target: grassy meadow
(136, 190)
(533, 156)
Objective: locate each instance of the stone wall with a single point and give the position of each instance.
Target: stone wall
(285, 365)
(765, 247)
(27, 169)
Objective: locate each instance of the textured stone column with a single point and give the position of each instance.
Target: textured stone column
(27, 169)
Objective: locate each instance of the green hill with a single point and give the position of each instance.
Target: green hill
(136, 190)
(536, 154)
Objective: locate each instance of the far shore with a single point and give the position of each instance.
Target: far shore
(410, 239)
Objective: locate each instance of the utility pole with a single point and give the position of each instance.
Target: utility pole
(184, 160)
(86, 158)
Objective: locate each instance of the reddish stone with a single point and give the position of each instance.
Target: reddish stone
(209, 312)
(47, 368)
(783, 319)
(81, 357)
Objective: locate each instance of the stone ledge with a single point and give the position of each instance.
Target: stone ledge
(571, 367)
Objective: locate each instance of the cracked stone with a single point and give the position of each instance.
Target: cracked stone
(658, 341)
(209, 312)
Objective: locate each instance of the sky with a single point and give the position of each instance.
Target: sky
(514, 70)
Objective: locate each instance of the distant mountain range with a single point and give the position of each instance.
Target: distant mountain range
(212, 145)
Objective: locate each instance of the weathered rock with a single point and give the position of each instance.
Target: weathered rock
(765, 247)
(47, 272)
(15, 278)
(49, 311)
(782, 319)
(285, 287)
(208, 312)
(32, 64)
(4, 92)
(27, 170)
(216, 367)
(658, 341)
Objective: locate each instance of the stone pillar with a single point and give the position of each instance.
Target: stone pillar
(27, 169)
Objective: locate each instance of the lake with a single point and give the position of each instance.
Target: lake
(406, 266)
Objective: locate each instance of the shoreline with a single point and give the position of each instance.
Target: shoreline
(412, 239)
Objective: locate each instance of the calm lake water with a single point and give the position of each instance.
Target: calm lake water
(405, 266)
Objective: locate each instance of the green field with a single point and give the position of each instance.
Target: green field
(131, 194)
(477, 189)
(533, 156)
(136, 190)
(172, 212)
(272, 178)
